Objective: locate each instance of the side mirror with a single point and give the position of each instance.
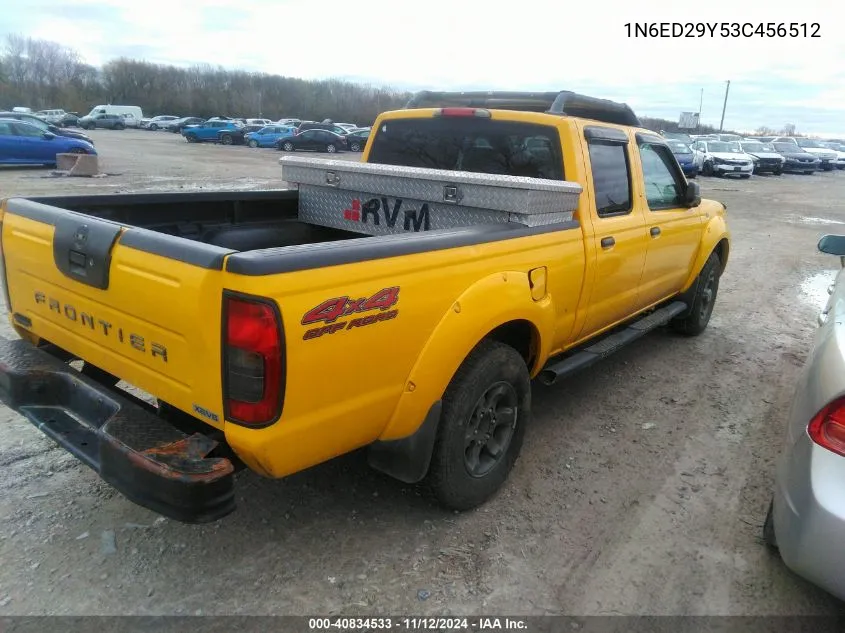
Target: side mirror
(692, 195)
(833, 245)
(48, 135)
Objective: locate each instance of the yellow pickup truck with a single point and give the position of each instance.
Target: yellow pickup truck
(402, 303)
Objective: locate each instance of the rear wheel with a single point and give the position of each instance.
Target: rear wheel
(777, 172)
(355, 147)
(331, 148)
(226, 139)
(191, 138)
(153, 126)
(253, 143)
(288, 146)
(485, 411)
(700, 299)
(707, 170)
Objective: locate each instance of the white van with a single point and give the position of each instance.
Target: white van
(119, 110)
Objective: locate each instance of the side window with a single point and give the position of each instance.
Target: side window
(611, 177)
(26, 130)
(663, 185)
(6, 129)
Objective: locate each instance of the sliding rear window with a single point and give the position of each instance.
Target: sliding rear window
(471, 144)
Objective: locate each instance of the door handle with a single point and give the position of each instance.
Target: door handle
(655, 231)
(607, 242)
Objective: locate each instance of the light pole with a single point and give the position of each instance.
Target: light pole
(725, 105)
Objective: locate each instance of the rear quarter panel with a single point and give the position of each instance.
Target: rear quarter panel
(351, 387)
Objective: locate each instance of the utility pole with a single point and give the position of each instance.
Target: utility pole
(725, 105)
(700, 104)
(259, 105)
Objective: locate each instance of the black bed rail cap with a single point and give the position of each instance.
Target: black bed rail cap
(564, 103)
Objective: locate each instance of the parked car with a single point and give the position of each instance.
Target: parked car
(180, 124)
(237, 135)
(678, 136)
(261, 122)
(825, 155)
(268, 135)
(806, 519)
(347, 126)
(766, 159)
(720, 158)
(290, 122)
(159, 122)
(315, 140)
(46, 127)
(129, 120)
(106, 121)
(331, 127)
(51, 116)
(25, 144)
(684, 155)
(208, 131)
(69, 119)
(839, 148)
(357, 140)
(796, 159)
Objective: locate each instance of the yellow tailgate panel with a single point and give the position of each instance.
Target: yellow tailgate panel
(156, 326)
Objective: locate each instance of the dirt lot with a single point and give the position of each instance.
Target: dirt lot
(641, 490)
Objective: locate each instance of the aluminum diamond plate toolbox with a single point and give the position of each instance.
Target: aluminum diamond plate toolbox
(379, 199)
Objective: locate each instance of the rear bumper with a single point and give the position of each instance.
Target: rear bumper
(130, 447)
(809, 514)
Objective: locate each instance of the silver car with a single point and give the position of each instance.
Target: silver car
(806, 521)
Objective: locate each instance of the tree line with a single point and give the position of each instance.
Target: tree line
(43, 75)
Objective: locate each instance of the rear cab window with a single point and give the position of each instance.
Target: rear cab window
(480, 145)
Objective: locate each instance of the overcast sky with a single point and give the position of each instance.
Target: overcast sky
(463, 44)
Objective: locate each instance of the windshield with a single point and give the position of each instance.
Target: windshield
(722, 146)
(470, 144)
(757, 148)
(808, 142)
(786, 147)
(678, 148)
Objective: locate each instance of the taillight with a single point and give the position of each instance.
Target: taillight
(827, 428)
(476, 112)
(253, 360)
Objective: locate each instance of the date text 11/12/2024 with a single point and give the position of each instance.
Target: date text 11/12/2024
(418, 624)
(723, 29)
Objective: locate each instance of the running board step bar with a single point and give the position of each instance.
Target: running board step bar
(612, 343)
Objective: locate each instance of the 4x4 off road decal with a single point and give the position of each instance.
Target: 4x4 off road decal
(330, 311)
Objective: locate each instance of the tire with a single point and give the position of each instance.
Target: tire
(355, 147)
(287, 146)
(707, 169)
(331, 148)
(226, 139)
(153, 127)
(191, 138)
(769, 536)
(701, 299)
(693, 175)
(777, 172)
(119, 127)
(253, 143)
(464, 471)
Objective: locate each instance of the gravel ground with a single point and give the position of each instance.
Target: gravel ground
(641, 489)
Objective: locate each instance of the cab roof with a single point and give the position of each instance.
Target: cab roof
(562, 103)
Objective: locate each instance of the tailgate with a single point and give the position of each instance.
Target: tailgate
(141, 305)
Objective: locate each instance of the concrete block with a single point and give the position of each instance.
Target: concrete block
(78, 164)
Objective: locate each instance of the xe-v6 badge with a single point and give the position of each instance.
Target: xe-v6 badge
(330, 311)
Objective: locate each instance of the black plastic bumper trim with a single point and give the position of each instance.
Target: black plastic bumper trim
(139, 453)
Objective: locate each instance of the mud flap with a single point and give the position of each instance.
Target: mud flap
(408, 459)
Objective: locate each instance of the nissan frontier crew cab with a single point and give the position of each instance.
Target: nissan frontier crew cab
(403, 303)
